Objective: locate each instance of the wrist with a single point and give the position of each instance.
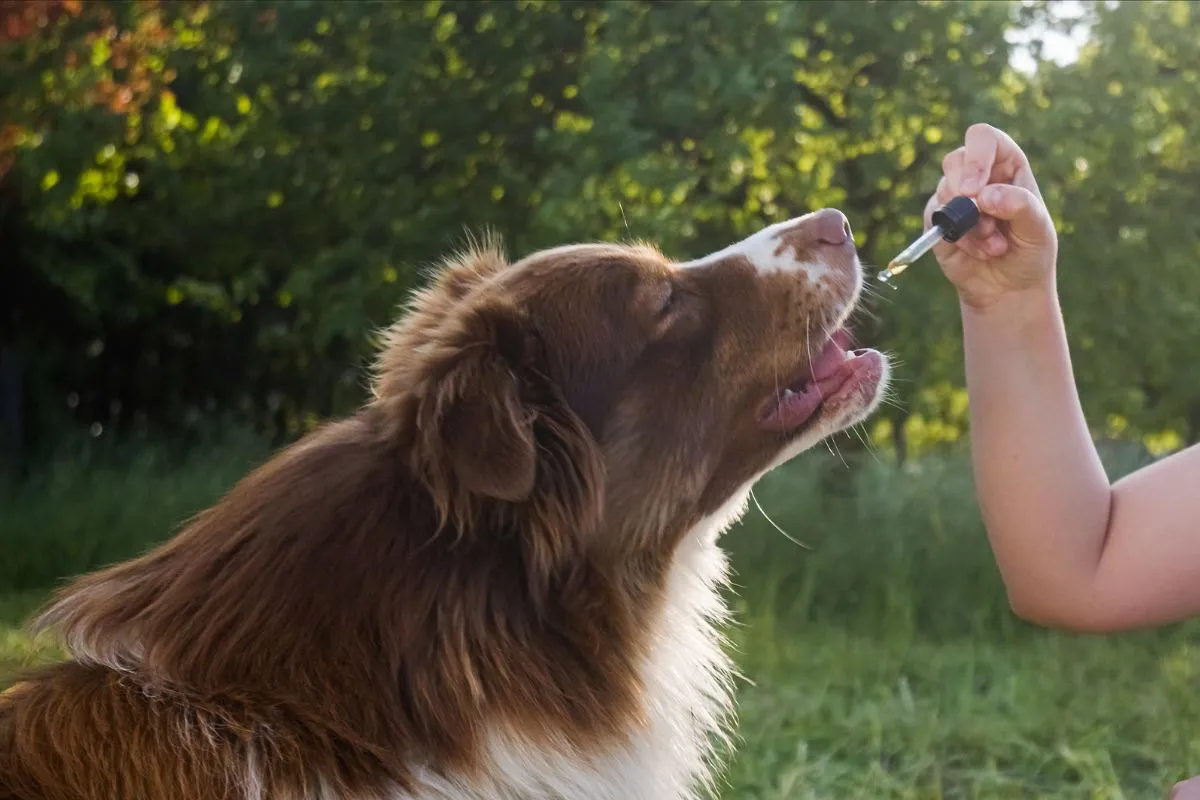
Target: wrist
(1015, 311)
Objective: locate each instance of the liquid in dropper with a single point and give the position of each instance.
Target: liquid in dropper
(950, 222)
(911, 253)
(893, 269)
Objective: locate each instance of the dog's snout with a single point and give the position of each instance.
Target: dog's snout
(831, 227)
(817, 244)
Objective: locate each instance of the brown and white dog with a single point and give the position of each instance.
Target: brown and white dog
(500, 578)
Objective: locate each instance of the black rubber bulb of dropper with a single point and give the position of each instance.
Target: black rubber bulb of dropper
(956, 218)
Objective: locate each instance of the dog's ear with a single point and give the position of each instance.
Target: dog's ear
(492, 426)
(495, 436)
(479, 409)
(428, 309)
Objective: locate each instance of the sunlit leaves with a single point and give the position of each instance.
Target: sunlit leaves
(1122, 175)
(324, 152)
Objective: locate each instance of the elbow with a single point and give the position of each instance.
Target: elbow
(1034, 611)
(1056, 615)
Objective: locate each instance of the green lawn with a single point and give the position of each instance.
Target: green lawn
(838, 715)
(881, 660)
(17, 649)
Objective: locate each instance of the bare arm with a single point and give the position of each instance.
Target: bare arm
(1075, 552)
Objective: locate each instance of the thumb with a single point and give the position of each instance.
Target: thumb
(1018, 206)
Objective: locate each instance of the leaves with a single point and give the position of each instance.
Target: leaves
(232, 153)
(1122, 180)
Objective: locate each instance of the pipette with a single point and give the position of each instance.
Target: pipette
(950, 222)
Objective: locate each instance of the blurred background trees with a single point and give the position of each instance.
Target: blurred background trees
(207, 207)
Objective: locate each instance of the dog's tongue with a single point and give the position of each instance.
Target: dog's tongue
(826, 376)
(831, 357)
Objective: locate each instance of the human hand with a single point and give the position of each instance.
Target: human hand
(1011, 252)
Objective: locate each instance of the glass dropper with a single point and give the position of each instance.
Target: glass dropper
(950, 222)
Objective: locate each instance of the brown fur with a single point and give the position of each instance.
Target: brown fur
(481, 546)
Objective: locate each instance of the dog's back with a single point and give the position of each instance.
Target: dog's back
(73, 731)
(176, 689)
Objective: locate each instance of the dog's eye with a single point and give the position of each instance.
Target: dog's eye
(668, 304)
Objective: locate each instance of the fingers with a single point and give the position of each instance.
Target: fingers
(984, 235)
(991, 169)
(991, 156)
(988, 156)
(982, 243)
(985, 227)
(983, 248)
(1013, 204)
(979, 155)
(952, 172)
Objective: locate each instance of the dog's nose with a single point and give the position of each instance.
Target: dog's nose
(831, 226)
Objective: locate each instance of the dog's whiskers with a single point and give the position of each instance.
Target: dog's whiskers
(774, 525)
(837, 450)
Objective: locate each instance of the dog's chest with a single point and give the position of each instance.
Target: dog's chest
(687, 698)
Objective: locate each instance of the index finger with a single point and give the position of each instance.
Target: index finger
(990, 155)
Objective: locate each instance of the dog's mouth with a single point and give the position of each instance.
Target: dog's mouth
(833, 374)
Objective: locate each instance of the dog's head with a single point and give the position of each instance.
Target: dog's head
(624, 396)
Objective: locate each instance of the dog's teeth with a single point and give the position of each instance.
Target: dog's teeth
(788, 393)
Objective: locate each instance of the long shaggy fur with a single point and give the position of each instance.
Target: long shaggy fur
(499, 579)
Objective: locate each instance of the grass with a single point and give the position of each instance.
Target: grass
(881, 658)
(849, 715)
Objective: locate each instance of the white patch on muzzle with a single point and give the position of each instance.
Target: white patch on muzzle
(761, 249)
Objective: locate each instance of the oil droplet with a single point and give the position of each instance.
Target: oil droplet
(893, 269)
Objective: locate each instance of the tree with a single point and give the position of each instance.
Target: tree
(222, 238)
(1111, 135)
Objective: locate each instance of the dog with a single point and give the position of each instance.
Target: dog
(500, 578)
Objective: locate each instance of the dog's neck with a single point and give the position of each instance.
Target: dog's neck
(672, 754)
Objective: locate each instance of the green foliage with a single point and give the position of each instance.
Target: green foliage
(222, 200)
(1124, 186)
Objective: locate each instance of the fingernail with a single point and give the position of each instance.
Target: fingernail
(990, 195)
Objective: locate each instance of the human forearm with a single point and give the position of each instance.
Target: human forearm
(1075, 553)
(1043, 492)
